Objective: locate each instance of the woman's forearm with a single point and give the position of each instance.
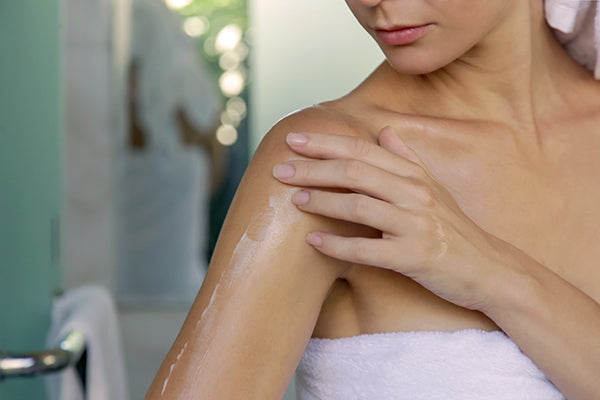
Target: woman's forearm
(552, 321)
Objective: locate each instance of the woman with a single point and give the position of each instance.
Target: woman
(475, 216)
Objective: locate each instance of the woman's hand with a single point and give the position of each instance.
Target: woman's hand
(424, 233)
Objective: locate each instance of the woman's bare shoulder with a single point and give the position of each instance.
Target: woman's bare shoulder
(260, 191)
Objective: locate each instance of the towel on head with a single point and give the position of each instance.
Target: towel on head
(577, 26)
(463, 365)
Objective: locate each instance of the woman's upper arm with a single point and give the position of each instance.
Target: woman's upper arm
(262, 295)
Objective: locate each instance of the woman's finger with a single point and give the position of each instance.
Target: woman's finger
(394, 254)
(354, 175)
(358, 250)
(355, 208)
(328, 147)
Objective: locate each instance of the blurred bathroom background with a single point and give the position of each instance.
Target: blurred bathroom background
(125, 128)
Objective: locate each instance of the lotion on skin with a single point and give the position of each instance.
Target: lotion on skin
(253, 250)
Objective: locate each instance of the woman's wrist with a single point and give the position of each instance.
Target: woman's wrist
(513, 290)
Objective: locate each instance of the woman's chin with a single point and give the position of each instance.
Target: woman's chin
(418, 62)
(415, 68)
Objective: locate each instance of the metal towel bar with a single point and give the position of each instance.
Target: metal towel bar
(67, 353)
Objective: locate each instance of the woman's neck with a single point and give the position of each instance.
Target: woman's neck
(518, 75)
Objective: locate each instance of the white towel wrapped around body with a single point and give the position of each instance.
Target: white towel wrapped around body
(463, 365)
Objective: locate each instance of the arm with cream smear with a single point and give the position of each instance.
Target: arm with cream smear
(259, 303)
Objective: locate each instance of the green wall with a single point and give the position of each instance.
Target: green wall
(30, 126)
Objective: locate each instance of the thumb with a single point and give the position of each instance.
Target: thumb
(389, 140)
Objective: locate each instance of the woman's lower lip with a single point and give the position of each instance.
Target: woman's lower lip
(402, 36)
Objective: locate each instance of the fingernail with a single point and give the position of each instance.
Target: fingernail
(296, 139)
(301, 198)
(284, 171)
(314, 240)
